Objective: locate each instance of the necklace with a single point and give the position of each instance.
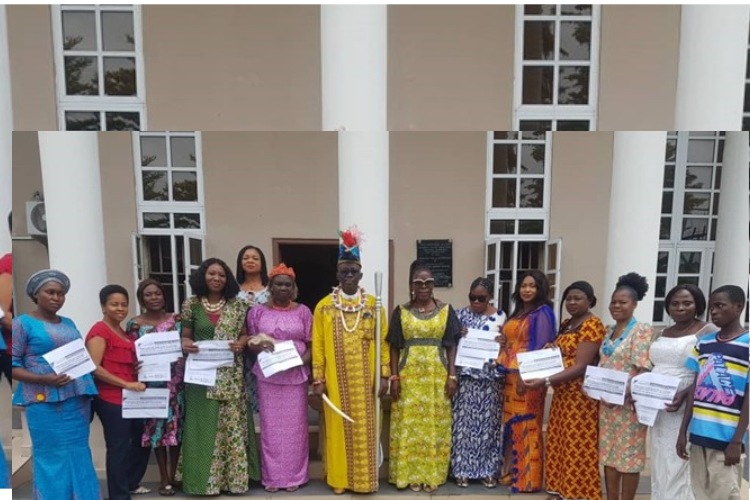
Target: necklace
(719, 339)
(423, 309)
(336, 297)
(608, 347)
(213, 308)
(570, 327)
(287, 307)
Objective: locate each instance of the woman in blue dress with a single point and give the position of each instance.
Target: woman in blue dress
(478, 403)
(58, 409)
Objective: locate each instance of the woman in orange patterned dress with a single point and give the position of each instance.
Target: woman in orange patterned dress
(571, 462)
(530, 327)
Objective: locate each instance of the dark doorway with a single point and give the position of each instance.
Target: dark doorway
(314, 263)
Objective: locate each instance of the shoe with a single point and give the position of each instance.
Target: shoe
(140, 490)
(428, 488)
(506, 480)
(292, 489)
(271, 489)
(166, 490)
(415, 487)
(339, 491)
(462, 482)
(489, 482)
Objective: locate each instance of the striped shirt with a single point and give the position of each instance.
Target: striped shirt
(720, 387)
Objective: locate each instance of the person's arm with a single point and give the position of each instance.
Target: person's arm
(686, 418)
(186, 331)
(18, 359)
(96, 347)
(318, 351)
(395, 353)
(6, 295)
(384, 364)
(733, 451)
(453, 333)
(395, 339)
(585, 356)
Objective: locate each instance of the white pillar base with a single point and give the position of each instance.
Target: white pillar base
(635, 205)
(75, 228)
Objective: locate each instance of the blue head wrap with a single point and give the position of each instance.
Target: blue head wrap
(41, 278)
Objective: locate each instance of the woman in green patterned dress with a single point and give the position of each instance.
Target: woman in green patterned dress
(423, 335)
(219, 451)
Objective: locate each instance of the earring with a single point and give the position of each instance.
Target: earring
(412, 294)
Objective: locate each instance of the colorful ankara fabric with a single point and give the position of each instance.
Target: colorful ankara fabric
(571, 463)
(622, 440)
(343, 353)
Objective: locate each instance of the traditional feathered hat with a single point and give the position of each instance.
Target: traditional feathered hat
(349, 251)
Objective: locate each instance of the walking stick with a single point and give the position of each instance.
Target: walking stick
(376, 389)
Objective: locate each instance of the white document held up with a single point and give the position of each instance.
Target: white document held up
(158, 372)
(539, 364)
(152, 403)
(212, 354)
(283, 357)
(72, 360)
(196, 374)
(476, 348)
(605, 384)
(646, 414)
(155, 348)
(654, 389)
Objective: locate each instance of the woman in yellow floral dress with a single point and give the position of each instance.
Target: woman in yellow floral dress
(423, 335)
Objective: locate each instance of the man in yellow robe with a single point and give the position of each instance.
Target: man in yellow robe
(344, 368)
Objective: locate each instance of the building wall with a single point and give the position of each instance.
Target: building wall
(32, 68)
(579, 206)
(232, 67)
(450, 67)
(437, 190)
(265, 185)
(638, 66)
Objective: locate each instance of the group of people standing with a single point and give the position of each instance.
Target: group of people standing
(481, 424)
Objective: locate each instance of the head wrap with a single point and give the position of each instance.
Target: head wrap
(41, 278)
(583, 286)
(351, 239)
(282, 269)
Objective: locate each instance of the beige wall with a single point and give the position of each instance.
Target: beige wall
(119, 207)
(638, 67)
(437, 191)
(450, 67)
(579, 205)
(32, 68)
(265, 185)
(232, 67)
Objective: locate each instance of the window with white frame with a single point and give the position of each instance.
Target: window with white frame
(517, 221)
(171, 217)
(690, 204)
(557, 67)
(99, 67)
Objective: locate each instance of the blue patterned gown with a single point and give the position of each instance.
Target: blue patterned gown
(477, 410)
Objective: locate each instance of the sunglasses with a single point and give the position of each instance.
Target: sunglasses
(428, 281)
(348, 271)
(478, 298)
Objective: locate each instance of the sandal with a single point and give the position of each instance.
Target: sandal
(140, 490)
(339, 491)
(506, 480)
(415, 487)
(166, 490)
(271, 489)
(489, 482)
(428, 488)
(292, 489)
(462, 482)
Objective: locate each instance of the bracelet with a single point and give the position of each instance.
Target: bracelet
(319, 381)
(453, 377)
(394, 378)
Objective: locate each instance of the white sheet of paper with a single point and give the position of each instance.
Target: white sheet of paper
(72, 360)
(157, 372)
(160, 347)
(605, 384)
(2, 313)
(212, 354)
(152, 403)
(654, 389)
(283, 357)
(476, 348)
(198, 376)
(646, 414)
(539, 364)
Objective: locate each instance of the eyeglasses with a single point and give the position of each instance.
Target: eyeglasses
(427, 282)
(344, 271)
(478, 298)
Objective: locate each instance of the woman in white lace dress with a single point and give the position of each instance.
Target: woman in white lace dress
(685, 304)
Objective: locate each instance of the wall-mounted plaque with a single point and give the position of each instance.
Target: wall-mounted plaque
(438, 254)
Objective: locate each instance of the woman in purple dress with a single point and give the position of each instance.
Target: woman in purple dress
(282, 397)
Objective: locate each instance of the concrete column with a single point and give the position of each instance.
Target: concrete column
(711, 75)
(75, 228)
(732, 252)
(6, 138)
(354, 56)
(354, 66)
(634, 213)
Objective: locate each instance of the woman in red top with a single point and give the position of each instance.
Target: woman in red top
(113, 352)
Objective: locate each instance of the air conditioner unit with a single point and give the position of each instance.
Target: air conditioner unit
(36, 218)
